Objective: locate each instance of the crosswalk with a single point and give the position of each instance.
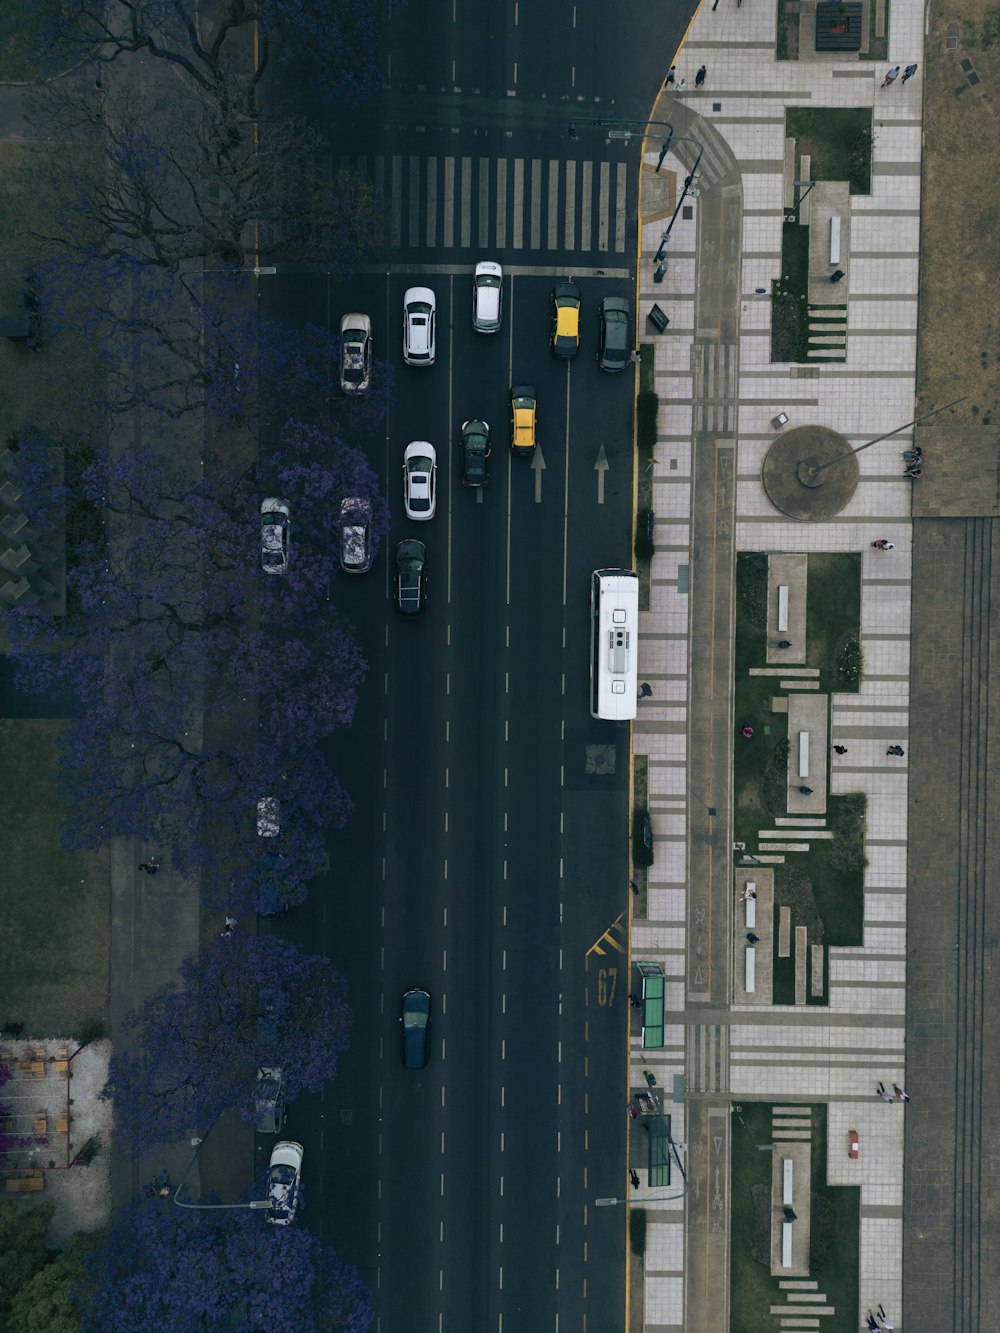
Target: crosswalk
(500, 204)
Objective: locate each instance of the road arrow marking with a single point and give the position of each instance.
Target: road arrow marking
(600, 467)
(538, 467)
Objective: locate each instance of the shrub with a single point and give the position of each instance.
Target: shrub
(646, 407)
(644, 546)
(850, 661)
(642, 838)
(637, 1231)
(752, 588)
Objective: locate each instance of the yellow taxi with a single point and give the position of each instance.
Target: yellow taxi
(565, 339)
(523, 415)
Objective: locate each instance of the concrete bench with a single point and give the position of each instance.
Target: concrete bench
(782, 608)
(751, 970)
(786, 1244)
(751, 910)
(835, 240)
(787, 1166)
(803, 754)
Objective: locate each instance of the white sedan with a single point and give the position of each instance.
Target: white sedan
(275, 535)
(419, 310)
(284, 1178)
(420, 480)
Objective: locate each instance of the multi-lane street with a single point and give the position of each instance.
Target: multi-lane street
(488, 852)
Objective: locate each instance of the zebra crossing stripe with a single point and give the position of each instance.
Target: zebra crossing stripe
(449, 202)
(553, 204)
(603, 205)
(570, 228)
(501, 203)
(585, 213)
(466, 202)
(484, 202)
(620, 190)
(536, 203)
(432, 194)
(414, 200)
(518, 203)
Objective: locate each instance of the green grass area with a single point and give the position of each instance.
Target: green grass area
(22, 26)
(838, 141)
(54, 917)
(786, 43)
(833, 612)
(790, 296)
(824, 887)
(834, 1226)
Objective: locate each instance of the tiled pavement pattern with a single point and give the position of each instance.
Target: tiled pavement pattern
(718, 392)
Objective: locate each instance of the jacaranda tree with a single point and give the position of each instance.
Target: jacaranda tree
(244, 1002)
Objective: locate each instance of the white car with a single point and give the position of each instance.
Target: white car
(487, 297)
(284, 1178)
(420, 480)
(275, 535)
(356, 547)
(419, 309)
(355, 353)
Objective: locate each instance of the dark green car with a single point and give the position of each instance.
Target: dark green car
(475, 453)
(615, 336)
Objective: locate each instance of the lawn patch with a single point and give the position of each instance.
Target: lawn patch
(54, 918)
(838, 141)
(790, 296)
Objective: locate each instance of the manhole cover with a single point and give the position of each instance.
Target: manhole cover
(600, 760)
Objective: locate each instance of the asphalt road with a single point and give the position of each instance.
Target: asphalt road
(487, 857)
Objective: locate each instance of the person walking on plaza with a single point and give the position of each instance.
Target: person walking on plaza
(679, 86)
(700, 77)
(883, 545)
(891, 76)
(671, 76)
(903, 1096)
(840, 749)
(633, 1175)
(909, 72)
(896, 750)
(149, 867)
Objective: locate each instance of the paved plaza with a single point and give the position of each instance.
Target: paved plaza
(909, 1005)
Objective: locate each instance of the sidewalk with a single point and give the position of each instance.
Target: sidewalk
(718, 393)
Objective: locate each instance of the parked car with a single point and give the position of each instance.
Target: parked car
(356, 548)
(268, 817)
(415, 1021)
(615, 335)
(523, 416)
(270, 1102)
(284, 1179)
(419, 310)
(355, 353)
(487, 297)
(565, 338)
(411, 577)
(275, 535)
(475, 453)
(420, 480)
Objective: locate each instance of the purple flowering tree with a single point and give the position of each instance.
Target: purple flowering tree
(203, 684)
(245, 1001)
(164, 1267)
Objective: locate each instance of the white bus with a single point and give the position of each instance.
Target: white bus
(614, 644)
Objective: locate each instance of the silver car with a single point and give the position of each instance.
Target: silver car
(419, 310)
(356, 547)
(355, 353)
(275, 535)
(283, 1180)
(487, 297)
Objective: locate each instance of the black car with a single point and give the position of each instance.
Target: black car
(411, 577)
(475, 453)
(615, 333)
(415, 1022)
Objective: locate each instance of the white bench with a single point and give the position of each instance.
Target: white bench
(751, 969)
(803, 754)
(787, 1166)
(786, 1244)
(782, 607)
(835, 240)
(751, 909)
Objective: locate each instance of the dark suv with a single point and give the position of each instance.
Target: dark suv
(475, 453)
(411, 577)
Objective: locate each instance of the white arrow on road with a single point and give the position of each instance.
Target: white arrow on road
(600, 467)
(538, 467)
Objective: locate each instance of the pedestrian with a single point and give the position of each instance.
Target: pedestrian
(645, 690)
(633, 1113)
(634, 1000)
(872, 1322)
(671, 76)
(896, 750)
(883, 545)
(837, 275)
(879, 1089)
(891, 76)
(840, 749)
(784, 643)
(903, 1096)
(149, 867)
(679, 86)
(885, 1320)
(806, 791)
(635, 356)
(914, 453)
(633, 1175)
(164, 1192)
(633, 886)
(747, 731)
(752, 938)
(909, 72)
(747, 894)
(700, 77)
(231, 924)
